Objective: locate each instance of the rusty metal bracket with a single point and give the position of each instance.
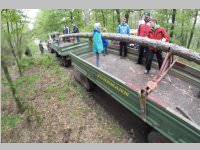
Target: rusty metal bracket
(166, 66)
(143, 99)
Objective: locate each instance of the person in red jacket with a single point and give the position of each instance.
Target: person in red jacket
(156, 33)
(143, 31)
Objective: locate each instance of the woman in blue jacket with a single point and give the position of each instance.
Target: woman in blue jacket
(97, 42)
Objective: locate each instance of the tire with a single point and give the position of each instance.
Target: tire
(89, 85)
(66, 62)
(52, 51)
(57, 55)
(156, 137)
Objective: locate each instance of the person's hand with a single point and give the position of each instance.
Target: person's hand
(163, 40)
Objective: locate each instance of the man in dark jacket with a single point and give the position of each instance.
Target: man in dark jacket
(41, 48)
(123, 28)
(28, 52)
(66, 31)
(143, 31)
(76, 30)
(156, 33)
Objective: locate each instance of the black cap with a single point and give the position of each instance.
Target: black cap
(147, 14)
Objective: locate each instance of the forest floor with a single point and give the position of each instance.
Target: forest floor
(64, 112)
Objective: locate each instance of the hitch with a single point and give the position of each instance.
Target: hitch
(151, 85)
(166, 66)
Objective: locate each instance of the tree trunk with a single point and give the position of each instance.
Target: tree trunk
(118, 16)
(113, 24)
(71, 17)
(13, 90)
(104, 22)
(86, 15)
(193, 28)
(165, 46)
(127, 15)
(182, 37)
(13, 51)
(173, 21)
(198, 44)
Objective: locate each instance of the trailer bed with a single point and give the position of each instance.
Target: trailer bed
(176, 93)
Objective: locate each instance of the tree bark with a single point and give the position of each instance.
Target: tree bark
(86, 15)
(113, 20)
(11, 85)
(71, 17)
(127, 15)
(165, 46)
(193, 28)
(104, 22)
(118, 16)
(182, 37)
(198, 44)
(13, 51)
(173, 21)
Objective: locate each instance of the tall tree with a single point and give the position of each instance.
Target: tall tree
(13, 27)
(103, 15)
(20, 105)
(118, 16)
(173, 21)
(193, 28)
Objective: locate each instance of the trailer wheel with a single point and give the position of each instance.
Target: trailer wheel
(51, 50)
(57, 55)
(89, 85)
(66, 62)
(156, 137)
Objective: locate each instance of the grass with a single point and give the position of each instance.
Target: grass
(9, 121)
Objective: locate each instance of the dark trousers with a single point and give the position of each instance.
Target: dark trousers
(123, 46)
(149, 58)
(141, 54)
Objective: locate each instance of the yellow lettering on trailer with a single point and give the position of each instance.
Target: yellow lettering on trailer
(113, 85)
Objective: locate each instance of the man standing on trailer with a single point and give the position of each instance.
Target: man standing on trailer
(66, 31)
(76, 30)
(157, 33)
(123, 28)
(143, 31)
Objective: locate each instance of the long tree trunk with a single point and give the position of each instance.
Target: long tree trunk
(165, 46)
(173, 21)
(118, 16)
(193, 28)
(13, 51)
(11, 85)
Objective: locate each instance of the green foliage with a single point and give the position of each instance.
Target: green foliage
(9, 121)
(4, 97)
(47, 61)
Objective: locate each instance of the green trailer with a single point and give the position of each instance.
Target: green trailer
(62, 51)
(172, 109)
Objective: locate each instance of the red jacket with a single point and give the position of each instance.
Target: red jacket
(158, 34)
(143, 30)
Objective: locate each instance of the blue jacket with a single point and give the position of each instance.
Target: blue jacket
(123, 29)
(97, 42)
(105, 42)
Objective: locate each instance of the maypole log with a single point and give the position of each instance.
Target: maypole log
(165, 46)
